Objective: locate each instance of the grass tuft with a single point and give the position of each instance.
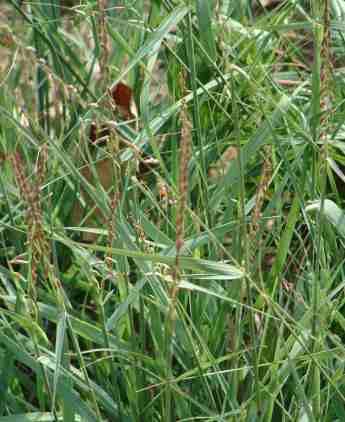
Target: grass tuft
(172, 210)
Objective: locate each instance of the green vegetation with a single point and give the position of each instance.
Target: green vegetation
(182, 258)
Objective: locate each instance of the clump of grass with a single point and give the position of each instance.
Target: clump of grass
(194, 323)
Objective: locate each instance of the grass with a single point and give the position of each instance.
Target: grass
(207, 283)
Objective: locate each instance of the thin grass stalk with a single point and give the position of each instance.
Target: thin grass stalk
(323, 71)
(41, 79)
(315, 127)
(196, 118)
(245, 252)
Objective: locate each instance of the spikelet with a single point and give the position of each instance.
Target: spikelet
(103, 61)
(186, 147)
(254, 230)
(30, 193)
